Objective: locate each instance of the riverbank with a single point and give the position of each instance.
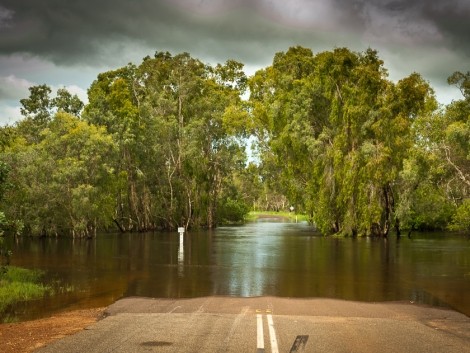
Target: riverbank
(27, 336)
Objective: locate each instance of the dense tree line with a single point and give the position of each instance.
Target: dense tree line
(162, 145)
(360, 154)
(156, 147)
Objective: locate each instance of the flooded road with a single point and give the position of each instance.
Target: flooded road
(265, 258)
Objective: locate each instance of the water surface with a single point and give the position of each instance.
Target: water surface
(263, 258)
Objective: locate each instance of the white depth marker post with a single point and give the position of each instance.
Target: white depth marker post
(181, 231)
(181, 253)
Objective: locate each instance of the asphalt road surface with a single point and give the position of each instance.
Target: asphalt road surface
(267, 324)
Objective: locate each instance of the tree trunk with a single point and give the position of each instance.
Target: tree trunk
(389, 209)
(397, 227)
(118, 225)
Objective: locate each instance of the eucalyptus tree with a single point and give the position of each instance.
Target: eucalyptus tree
(38, 105)
(280, 108)
(250, 186)
(39, 108)
(4, 252)
(176, 122)
(436, 177)
(457, 133)
(338, 132)
(113, 105)
(65, 102)
(63, 184)
(4, 169)
(425, 201)
(197, 114)
(453, 141)
(6, 134)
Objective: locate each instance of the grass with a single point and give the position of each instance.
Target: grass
(20, 284)
(254, 215)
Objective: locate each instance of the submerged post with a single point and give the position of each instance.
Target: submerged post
(181, 231)
(181, 252)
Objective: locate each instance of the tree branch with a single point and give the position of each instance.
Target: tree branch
(460, 173)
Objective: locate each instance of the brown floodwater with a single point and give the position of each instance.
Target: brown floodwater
(257, 259)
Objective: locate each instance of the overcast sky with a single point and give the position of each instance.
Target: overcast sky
(68, 42)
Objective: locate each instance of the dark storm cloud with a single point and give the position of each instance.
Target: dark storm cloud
(73, 31)
(429, 37)
(89, 31)
(66, 42)
(425, 22)
(86, 31)
(453, 20)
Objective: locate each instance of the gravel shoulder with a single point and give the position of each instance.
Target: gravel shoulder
(27, 336)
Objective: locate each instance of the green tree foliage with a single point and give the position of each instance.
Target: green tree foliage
(4, 169)
(461, 218)
(462, 81)
(424, 203)
(452, 142)
(162, 145)
(67, 103)
(64, 184)
(338, 131)
(39, 109)
(455, 139)
(38, 105)
(249, 185)
(5, 253)
(178, 124)
(5, 136)
(437, 180)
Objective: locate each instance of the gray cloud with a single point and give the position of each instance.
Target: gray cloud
(430, 37)
(418, 22)
(452, 19)
(71, 32)
(5, 17)
(12, 87)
